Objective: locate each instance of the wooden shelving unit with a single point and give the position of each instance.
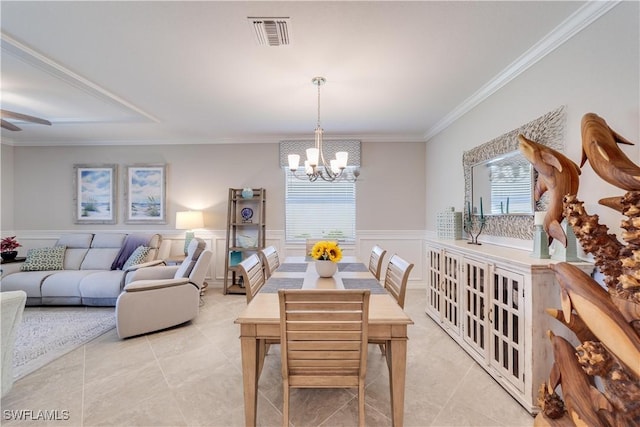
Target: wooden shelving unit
(246, 234)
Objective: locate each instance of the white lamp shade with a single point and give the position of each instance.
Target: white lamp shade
(342, 157)
(294, 161)
(189, 220)
(312, 156)
(334, 166)
(538, 217)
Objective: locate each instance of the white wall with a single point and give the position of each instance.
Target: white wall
(598, 71)
(37, 193)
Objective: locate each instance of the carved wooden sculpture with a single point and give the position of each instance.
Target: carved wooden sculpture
(558, 176)
(599, 146)
(606, 322)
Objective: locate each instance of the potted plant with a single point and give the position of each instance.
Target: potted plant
(327, 254)
(8, 247)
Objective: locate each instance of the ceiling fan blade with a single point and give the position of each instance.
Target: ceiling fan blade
(24, 117)
(6, 125)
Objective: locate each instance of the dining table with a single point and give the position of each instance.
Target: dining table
(260, 323)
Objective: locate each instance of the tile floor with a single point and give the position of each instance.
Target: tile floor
(191, 376)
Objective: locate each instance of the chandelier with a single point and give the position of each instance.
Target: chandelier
(316, 166)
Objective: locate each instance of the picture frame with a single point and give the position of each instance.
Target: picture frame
(146, 194)
(94, 195)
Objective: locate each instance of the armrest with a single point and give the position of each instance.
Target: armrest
(158, 272)
(147, 285)
(157, 262)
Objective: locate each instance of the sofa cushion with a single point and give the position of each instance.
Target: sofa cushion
(44, 259)
(108, 240)
(75, 240)
(104, 249)
(102, 284)
(196, 247)
(137, 257)
(73, 258)
(99, 258)
(28, 281)
(64, 283)
(77, 246)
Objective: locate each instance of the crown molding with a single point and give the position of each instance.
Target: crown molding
(576, 22)
(49, 66)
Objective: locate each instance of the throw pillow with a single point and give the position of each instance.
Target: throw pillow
(137, 257)
(44, 259)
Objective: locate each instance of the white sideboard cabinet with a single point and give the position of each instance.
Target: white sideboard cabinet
(491, 300)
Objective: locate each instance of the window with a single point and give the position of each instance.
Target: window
(319, 209)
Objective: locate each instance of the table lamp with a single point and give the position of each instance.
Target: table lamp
(188, 220)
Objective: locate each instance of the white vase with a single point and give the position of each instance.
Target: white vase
(326, 268)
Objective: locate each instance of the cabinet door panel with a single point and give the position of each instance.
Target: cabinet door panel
(433, 282)
(449, 295)
(474, 305)
(506, 329)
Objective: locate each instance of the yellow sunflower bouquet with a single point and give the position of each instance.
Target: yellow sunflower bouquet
(327, 251)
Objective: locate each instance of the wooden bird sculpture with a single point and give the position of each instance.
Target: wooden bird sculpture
(558, 176)
(600, 147)
(581, 293)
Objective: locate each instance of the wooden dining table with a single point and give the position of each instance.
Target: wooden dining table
(260, 322)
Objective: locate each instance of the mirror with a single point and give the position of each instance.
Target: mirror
(548, 130)
(503, 185)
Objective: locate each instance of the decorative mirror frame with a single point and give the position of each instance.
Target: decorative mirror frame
(548, 130)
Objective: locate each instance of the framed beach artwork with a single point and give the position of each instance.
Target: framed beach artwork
(94, 194)
(146, 194)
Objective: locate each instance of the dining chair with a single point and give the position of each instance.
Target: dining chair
(375, 261)
(395, 282)
(270, 260)
(323, 341)
(252, 275)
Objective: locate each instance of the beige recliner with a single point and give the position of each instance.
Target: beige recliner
(163, 296)
(11, 308)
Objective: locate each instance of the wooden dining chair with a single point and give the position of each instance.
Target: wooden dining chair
(252, 275)
(375, 261)
(395, 282)
(396, 277)
(324, 341)
(270, 260)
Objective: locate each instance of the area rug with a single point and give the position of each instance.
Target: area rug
(47, 333)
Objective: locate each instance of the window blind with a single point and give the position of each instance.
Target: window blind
(319, 209)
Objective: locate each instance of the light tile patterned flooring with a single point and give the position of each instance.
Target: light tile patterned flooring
(191, 376)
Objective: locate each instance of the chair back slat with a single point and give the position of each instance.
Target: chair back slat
(252, 275)
(323, 341)
(396, 277)
(323, 330)
(270, 260)
(375, 261)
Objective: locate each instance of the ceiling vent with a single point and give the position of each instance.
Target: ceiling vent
(270, 31)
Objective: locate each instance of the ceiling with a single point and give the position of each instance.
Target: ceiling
(193, 72)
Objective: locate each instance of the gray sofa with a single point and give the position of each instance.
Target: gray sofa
(92, 273)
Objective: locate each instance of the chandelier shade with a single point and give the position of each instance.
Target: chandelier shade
(331, 147)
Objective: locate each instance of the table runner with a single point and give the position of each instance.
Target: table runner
(275, 283)
(352, 266)
(372, 284)
(290, 267)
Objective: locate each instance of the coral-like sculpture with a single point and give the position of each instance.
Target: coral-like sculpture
(606, 322)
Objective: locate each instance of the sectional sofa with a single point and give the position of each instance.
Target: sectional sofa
(83, 268)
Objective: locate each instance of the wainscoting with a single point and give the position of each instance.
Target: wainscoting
(409, 244)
